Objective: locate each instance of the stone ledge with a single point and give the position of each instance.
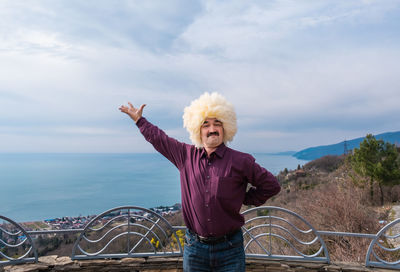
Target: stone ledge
(173, 264)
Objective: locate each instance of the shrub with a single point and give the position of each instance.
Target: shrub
(327, 163)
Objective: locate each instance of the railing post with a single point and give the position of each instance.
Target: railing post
(127, 236)
(270, 232)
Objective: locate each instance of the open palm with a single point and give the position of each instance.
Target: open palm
(134, 113)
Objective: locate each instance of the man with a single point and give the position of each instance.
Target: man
(214, 180)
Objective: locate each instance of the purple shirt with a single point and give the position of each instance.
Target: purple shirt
(213, 188)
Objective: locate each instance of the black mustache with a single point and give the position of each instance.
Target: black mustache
(213, 133)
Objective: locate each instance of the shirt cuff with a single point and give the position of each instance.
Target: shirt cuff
(140, 122)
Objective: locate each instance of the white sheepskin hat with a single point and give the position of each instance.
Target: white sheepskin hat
(209, 106)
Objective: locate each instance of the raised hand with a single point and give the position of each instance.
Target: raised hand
(134, 113)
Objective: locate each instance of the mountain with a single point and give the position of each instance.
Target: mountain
(316, 152)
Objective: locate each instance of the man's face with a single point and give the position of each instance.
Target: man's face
(212, 132)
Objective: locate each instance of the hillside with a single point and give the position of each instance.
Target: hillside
(331, 196)
(316, 152)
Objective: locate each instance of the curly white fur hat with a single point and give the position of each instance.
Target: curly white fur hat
(209, 106)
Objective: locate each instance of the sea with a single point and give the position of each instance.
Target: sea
(36, 187)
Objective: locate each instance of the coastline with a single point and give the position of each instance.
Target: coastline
(79, 222)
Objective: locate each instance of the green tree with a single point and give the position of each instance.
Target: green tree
(388, 170)
(379, 161)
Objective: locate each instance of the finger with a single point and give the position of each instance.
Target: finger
(123, 109)
(130, 104)
(142, 107)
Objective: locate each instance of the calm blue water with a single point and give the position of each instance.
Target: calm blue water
(43, 186)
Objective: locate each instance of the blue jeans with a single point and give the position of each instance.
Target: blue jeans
(226, 256)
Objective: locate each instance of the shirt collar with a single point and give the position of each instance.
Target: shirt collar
(220, 151)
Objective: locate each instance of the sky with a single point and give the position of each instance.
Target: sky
(300, 73)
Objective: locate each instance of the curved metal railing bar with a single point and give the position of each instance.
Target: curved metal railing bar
(12, 259)
(386, 248)
(5, 256)
(10, 233)
(392, 236)
(383, 261)
(150, 230)
(281, 219)
(323, 249)
(119, 217)
(148, 240)
(126, 216)
(376, 241)
(23, 258)
(257, 242)
(346, 234)
(155, 223)
(16, 245)
(287, 231)
(143, 237)
(105, 235)
(109, 222)
(116, 227)
(288, 242)
(113, 239)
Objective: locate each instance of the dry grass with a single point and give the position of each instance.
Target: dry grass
(331, 201)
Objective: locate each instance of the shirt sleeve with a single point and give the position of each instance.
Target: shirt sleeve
(169, 147)
(265, 185)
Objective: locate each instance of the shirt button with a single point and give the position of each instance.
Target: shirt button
(206, 191)
(208, 177)
(206, 205)
(209, 220)
(209, 163)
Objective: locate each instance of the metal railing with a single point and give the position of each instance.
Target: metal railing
(129, 231)
(13, 236)
(278, 233)
(141, 232)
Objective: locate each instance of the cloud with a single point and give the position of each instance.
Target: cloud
(152, 25)
(298, 72)
(242, 30)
